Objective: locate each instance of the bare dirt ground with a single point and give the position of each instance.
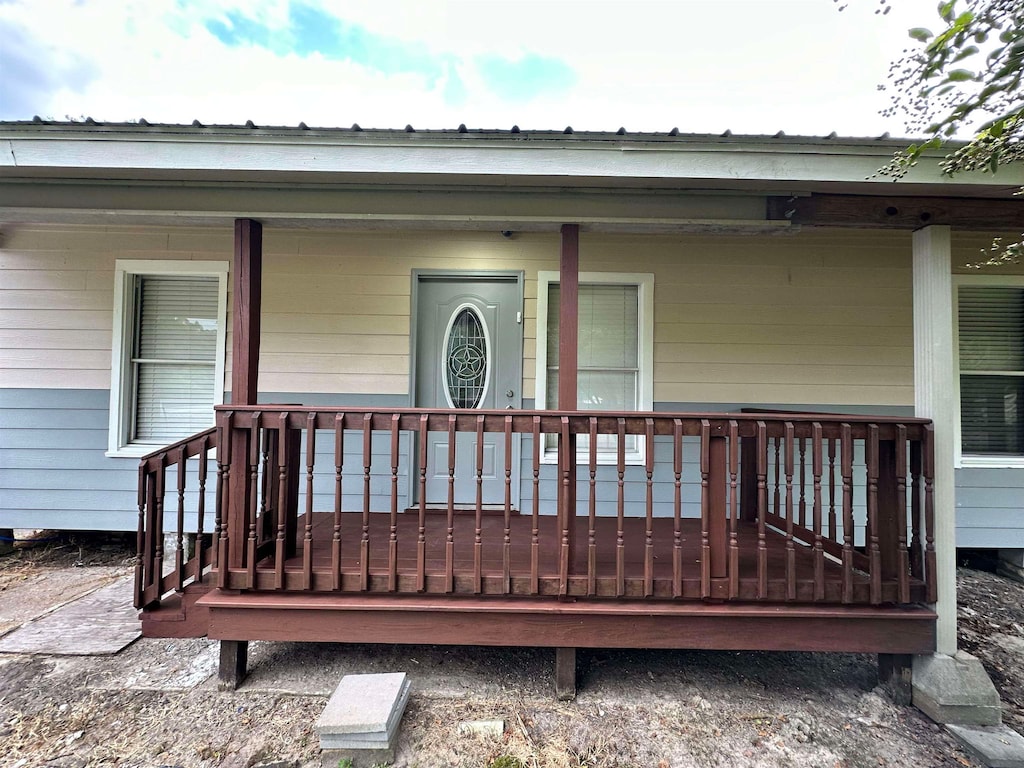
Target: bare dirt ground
(156, 703)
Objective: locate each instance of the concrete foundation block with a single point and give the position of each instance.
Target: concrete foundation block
(362, 716)
(360, 758)
(995, 746)
(955, 689)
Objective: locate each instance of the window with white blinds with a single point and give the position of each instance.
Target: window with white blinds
(614, 350)
(174, 357)
(991, 354)
(168, 352)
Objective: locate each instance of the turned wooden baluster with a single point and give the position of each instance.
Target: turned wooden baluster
(649, 533)
(790, 546)
(224, 491)
(535, 514)
(734, 510)
(846, 462)
(158, 524)
(250, 512)
(592, 510)
(393, 529)
(802, 445)
(364, 542)
(705, 508)
(478, 545)
(506, 550)
(567, 463)
(421, 534)
(929, 513)
(903, 573)
(819, 552)
(762, 510)
(833, 528)
(283, 456)
(620, 509)
(204, 447)
(449, 541)
(179, 555)
(916, 511)
(307, 539)
(677, 508)
(874, 553)
(339, 465)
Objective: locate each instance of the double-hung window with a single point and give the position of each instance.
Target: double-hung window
(615, 350)
(168, 352)
(989, 312)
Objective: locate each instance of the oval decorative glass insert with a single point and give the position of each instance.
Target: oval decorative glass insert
(466, 361)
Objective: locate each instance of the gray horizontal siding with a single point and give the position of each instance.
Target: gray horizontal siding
(990, 507)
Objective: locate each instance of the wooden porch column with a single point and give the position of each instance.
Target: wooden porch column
(246, 283)
(568, 372)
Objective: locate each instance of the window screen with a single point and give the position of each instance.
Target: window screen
(991, 323)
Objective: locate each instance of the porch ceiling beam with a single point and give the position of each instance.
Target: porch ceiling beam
(893, 212)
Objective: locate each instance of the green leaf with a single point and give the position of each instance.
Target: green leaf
(993, 162)
(959, 76)
(996, 129)
(946, 10)
(920, 33)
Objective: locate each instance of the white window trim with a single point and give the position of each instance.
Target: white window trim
(125, 271)
(645, 352)
(961, 459)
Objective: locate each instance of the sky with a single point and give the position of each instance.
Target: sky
(751, 66)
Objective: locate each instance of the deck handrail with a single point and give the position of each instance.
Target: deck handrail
(151, 583)
(807, 483)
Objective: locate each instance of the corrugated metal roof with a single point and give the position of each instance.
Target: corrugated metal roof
(515, 132)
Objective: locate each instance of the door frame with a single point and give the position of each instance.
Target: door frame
(517, 275)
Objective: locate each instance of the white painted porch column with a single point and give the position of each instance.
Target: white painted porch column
(934, 393)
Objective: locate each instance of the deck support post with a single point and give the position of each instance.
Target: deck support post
(565, 674)
(233, 662)
(568, 368)
(247, 271)
(894, 675)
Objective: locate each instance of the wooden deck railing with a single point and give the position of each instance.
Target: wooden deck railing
(186, 460)
(744, 506)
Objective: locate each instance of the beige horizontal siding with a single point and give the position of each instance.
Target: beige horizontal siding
(817, 316)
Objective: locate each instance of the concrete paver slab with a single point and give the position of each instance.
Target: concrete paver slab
(43, 591)
(996, 745)
(102, 622)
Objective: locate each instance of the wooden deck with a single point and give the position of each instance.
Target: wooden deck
(543, 579)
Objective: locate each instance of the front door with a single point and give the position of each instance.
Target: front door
(469, 343)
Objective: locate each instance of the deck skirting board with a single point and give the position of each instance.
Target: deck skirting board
(583, 624)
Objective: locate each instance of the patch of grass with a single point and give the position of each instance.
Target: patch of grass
(506, 761)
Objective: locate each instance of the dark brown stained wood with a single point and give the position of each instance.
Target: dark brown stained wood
(566, 507)
(916, 511)
(226, 502)
(477, 539)
(592, 511)
(902, 565)
(565, 673)
(846, 469)
(393, 528)
(281, 470)
(364, 542)
(677, 507)
(250, 521)
(421, 532)
(339, 468)
(819, 551)
(233, 662)
(762, 510)
(825, 210)
(307, 539)
(506, 555)
(535, 513)
(179, 553)
(620, 510)
(717, 522)
(201, 559)
(649, 510)
(929, 513)
(450, 536)
(143, 548)
(832, 528)
(553, 623)
(705, 508)
(803, 482)
(734, 545)
(790, 547)
(871, 455)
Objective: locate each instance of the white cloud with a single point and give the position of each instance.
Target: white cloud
(795, 65)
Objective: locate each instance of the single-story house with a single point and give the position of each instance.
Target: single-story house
(513, 387)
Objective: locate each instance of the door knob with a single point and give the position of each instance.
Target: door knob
(509, 393)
